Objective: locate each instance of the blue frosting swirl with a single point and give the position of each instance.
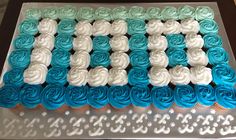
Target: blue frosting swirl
(217, 55)
(60, 58)
(57, 75)
(138, 42)
(100, 58)
(136, 26)
(9, 96)
(223, 74)
(30, 95)
(226, 96)
(162, 97)
(66, 26)
(119, 96)
(185, 96)
(176, 41)
(29, 26)
(97, 96)
(140, 96)
(139, 58)
(53, 97)
(101, 43)
(208, 26)
(212, 40)
(177, 57)
(19, 58)
(14, 77)
(138, 77)
(205, 94)
(76, 96)
(64, 42)
(24, 41)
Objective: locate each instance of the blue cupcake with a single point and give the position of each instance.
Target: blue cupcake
(176, 41)
(217, 55)
(138, 42)
(226, 96)
(30, 95)
(76, 96)
(66, 26)
(100, 58)
(205, 94)
(208, 26)
(60, 58)
(185, 96)
(140, 96)
(119, 96)
(101, 43)
(212, 40)
(223, 74)
(97, 97)
(14, 77)
(138, 77)
(136, 26)
(139, 58)
(57, 75)
(64, 42)
(24, 41)
(19, 58)
(162, 97)
(29, 26)
(177, 57)
(53, 97)
(9, 96)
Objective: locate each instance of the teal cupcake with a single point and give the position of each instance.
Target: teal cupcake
(119, 13)
(103, 13)
(217, 55)
(177, 57)
(60, 58)
(186, 11)
(85, 13)
(50, 12)
(19, 58)
(208, 26)
(176, 41)
(138, 42)
(64, 42)
(29, 26)
(153, 13)
(57, 75)
(24, 41)
(66, 26)
(204, 12)
(101, 43)
(212, 40)
(9, 96)
(67, 12)
(169, 12)
(137, 12)
(139, 58)
(33, 13)
(14, 77)
(136, 26)
(100, 58)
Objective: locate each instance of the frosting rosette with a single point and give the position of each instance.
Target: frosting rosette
(176, 57)
(200, 75)
(157, 42)
(67, 12)
(41, 55)
(169, 12)
(186, 11)
(204, 12)
(155, 27)
(119, 43)
(98, 76)
(223, 74)
(57, 76)
(76, 96)
(180, 75)
(197, 56)
(33, 13)
(205, 94)
(60, 58)
(101, 43)
(138, 77)
(162, 97)
(217, 55)
(136, 12)
(30, 95)
(66, 26)
(97, 97)
(82, 43)
(103, 13)
(101, 28)
(118, 27)
(193, 40)
(119, 13)
(19, 58)
(119, 96)
(212, 40)
(158, 58)
(47, 26)
(138, 42)
(85, 13)
(29, 26)
(100, 58)
(136, 26)
(119, 60)
(50, 12)
(9, 96)
(226, 96)
(14, 77)
(64, 42)
(172, 27)
(117, 77)
(176, 41)
(185, 96)
(208, 26)
(53, 97)
(140, 96)
(159, 76)
(139, 58)
(24, 41)
(45, 41)
(83, 28)
(80, 59)
(153, 13)
(77, 76)
(189, 26)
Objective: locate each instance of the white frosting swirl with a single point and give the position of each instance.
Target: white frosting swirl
(117, 77)
(158, 58)
(197, 56)
(83, 28)
(119, 27)
(101, 27)
(172, 27)
(157, 42)
(155, 27)
(189, 26)
(48, 26)
(45, 41)
(193, 40)
(35, 74)
(159, 76)
(41, 55)
(201, 75)
(83, 43)
(77, 76)
(81, 59)
(98, 76)
(119, 43)
(119, 60)
(180, 75)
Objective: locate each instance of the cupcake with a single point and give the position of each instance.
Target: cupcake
(138, 77)
(136, 26)
(60, 58)
(186, 12)
(158, 58)
(155, 27)
(45, 41)
(200, 75)
(101, 28)
(169, 12)
(193, 40)
(172, 27)
(102, 13)
(205, 94)
(83, 28)
(189, 26)
(225, 97)
(176, 57)
(208, 26)
(204, 12)
(41, 55)
(119, 13)
(33, 13)
(212, 40)
(57, 75)
(29, 26)
(66, 26)
(19, 58)
(118, 27)
(153, 13)
(77, 76)
(82, 43)
(80, 59)
(119, 60)
(138, 42)
(98, 76)
(117, 77)
(119, 43)
(14, 77)
(100, 58)
(24, 41)
(217, 55)
(139, 58)
(101, 43)
(64, 42)
(176, 41)
(67, 12)
(136, 12)
(47, 26)
(180, 75)
(9, 96)
(159, 76)
(197, 56)
(157, 42)
(85, 13)
(50, 12)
